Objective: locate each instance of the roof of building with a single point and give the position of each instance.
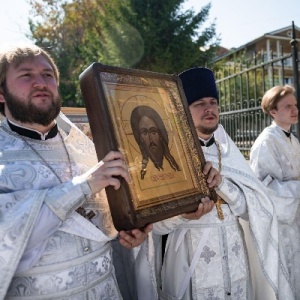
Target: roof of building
(284, 33)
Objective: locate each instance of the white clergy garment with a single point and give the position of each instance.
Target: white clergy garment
(67, 256)
(275, 159)
(207, 258)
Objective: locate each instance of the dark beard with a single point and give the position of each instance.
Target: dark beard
(28, 112)
(157, 161)
(207, 130)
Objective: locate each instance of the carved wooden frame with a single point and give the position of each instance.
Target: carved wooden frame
(111, 94)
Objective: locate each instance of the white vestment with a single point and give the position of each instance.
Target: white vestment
(136, 269)
(67, 257)
(275, 159)
(207, 258)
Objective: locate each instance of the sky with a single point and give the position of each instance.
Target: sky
(237, 21)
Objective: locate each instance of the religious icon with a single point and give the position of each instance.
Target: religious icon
(142, 114)
(151, 135)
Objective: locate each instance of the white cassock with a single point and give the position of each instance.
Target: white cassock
(207, 258)
(47, 250)
(275, 159)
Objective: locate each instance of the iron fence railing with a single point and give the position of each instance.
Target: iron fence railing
(241, 87)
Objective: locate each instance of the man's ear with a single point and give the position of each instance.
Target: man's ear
(272, 113)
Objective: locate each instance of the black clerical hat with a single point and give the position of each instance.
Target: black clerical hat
(198, 83)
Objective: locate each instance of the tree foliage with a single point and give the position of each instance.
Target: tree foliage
(152, 35)
(172, 36)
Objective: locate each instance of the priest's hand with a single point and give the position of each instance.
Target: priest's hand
(204, 207)
(134, 237)
(108, 172)
(213, 176)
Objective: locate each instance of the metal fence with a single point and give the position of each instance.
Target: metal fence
(241, 87)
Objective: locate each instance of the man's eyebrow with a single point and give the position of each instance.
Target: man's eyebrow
(27, 69)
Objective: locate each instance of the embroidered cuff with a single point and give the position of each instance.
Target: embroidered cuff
(67, 197)
(79, 180)
(223, 190)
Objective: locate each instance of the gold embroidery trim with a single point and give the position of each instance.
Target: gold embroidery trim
(219, 201)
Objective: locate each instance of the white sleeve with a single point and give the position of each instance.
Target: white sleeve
(235, 195)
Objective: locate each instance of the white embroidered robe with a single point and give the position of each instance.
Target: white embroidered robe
(275, 159)
(207, 258)
(74, 260)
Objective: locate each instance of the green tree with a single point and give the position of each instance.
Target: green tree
(76, 33)
(152, 35)
(172, 36)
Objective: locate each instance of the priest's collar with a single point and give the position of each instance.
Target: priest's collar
(33, 134)
(288, 134)
(208, 142)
